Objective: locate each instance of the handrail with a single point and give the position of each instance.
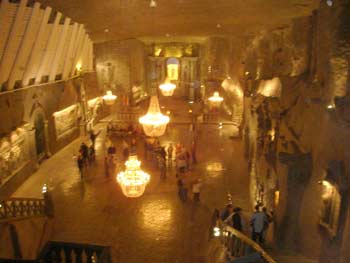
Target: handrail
(230, 238)
(13, 209)
(54, 250)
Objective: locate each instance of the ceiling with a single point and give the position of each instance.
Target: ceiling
(126, 19)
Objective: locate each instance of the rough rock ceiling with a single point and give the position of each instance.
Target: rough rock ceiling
(196, 18)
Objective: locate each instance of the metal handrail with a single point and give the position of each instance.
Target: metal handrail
(228, 234)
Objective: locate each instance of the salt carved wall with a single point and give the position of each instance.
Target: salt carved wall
(310, 58)
(39, 45)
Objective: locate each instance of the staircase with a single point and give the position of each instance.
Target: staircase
(240, 248)
(25, 228)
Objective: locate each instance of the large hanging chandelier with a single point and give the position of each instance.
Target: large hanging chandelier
(167, 88)
(154, 122)
(215, 100)
(109, 98)
(133, 180)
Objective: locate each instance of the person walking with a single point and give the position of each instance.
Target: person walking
(84, 151)
(182, 190)
(258, 222)
(92, 154)
(80, 163)
(196, 190)
(93, 136)
(170, 154)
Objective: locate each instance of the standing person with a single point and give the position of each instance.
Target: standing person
(267, 223)
(133, 145)
(162, 167)
(196, 190)
(92, 156)
(227, 212)
(80, 163)
(182, 190)
(237, 222)
(93, 136)
(170, 154)
(257, 223)
(84, 151)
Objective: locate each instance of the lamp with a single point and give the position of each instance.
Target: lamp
(167, 88)
(109, 98)
(215, 100)
(154, 122)
(133, 180)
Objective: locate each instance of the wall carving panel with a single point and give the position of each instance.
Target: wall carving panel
(66, 121)
(13, 154)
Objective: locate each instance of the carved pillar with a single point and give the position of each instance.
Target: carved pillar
(47, 143)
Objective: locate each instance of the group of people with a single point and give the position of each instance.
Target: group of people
(259, 221)
(183, 190)
(87, 154)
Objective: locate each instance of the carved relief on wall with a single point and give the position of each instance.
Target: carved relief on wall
(66, 121)
(13, 154)
(94, 107)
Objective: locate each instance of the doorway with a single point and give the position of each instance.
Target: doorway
(39, 125)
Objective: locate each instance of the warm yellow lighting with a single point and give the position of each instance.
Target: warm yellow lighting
(327, 189)
(216, 231)
(109, 98)
(133, 180)
(216, 100)
(79, 67)
(189, 111)
(154, 122)
(173, 71)
(330, 106)
(277, 197)
(44, 189)
(167, 88)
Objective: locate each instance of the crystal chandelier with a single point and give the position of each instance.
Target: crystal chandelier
(167, 88)
(215, 100)
(109, 98)
(133, 180)
(154, 122)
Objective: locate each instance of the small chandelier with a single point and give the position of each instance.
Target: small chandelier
(133, 180)
(167, 88)
(109, 98)
(154, 122)
(215, 100)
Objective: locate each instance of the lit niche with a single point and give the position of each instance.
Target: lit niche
(330, 210)
(66, 121)
(173, 69)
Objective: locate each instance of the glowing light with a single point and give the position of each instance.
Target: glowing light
(154, 122)
(189, 111)
(330, 106)
(191, 102)
(277, 198)
(133, 180)
(44, 189)
(79, 67)
(327, 189)
(216, 100)
(329, 2)
(167, 88)
(109, 98)
(217, 231)
(270, 88)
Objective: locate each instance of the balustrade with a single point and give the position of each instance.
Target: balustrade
(21, 208)
(72, 252)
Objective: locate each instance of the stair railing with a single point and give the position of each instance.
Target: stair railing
(239, 245)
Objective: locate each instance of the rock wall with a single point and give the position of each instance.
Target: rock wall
(32, 124)
(299, 140)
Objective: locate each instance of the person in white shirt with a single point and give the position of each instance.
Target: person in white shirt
(258, 222)
(196, 189)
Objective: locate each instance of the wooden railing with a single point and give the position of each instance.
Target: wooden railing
(73, 252)
(21, 208)
(239, 245)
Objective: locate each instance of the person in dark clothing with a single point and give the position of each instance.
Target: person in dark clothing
(80, 163)
(227, 212)
(93, 137)
(84, 151)
(182, 190)
(215, 222)
(237, 219)
(92, 156)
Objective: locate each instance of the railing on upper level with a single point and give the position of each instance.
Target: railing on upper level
(21, 208)
(239, 245)
(73, 252)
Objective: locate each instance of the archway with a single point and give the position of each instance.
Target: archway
(40, 144)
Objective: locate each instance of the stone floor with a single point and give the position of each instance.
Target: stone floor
(156, 227)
